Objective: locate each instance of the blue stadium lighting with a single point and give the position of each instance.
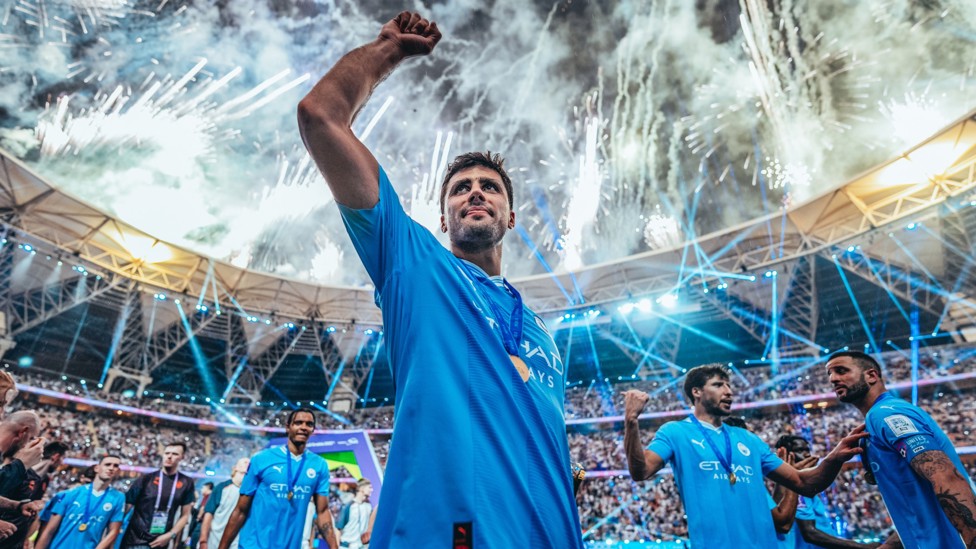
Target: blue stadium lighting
(25, 362)
(208, 399)
(210, 473)
(850, 249)
(626, 308)
(267, 321)
(160, 296)
(668, 300)
(752, 278)
(911, 226)
(290, 325)
(330, 329)
(644, 305)
(368, 331)
(770, 274)
(27, 248)
(202, 308)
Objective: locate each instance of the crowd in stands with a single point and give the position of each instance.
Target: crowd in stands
(611, 505)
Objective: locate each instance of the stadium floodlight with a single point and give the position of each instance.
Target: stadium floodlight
(644, 305)
(668, 300)
(626, 308)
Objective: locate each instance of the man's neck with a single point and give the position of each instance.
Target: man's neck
(296, 448)
(489, 259)
(99, 485)
(170, 470)
(705, 417)
(869, 399)
(359, 498)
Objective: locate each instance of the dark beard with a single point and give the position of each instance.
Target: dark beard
(855, 393)
(715, 409)
(477, 239)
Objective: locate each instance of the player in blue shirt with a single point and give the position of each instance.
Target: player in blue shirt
(719, 469)
(88, 516)
(479, 454)
(929, 495)
(813, 528)
(276, 492)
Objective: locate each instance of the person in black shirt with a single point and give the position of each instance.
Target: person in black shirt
(32, 488)
(155, 498)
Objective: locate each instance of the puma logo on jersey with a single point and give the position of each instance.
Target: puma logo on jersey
(699, 442)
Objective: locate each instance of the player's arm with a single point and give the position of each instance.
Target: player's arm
(811, 534)
(108, 541)
(326, 114)
(643, 464)
(323, 521)
(50, 531)
(953, 491)
(205, 528)
(813, 480)
(785, 511)
(236, 521)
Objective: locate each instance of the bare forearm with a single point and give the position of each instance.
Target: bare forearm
(785, 510)
(205, 526)
(109, 540)
(817, 479)
(327, 530)
(636, 462)
(234, 524)
(819, 538)
(953, 491)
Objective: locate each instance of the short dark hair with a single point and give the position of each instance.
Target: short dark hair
(179, 443)
(88, 472)
(863, 360)
(790, 441)
(55, 447)
(697, 377)
(116, 456)
(210, 484)
(296, 411)
(472, 159)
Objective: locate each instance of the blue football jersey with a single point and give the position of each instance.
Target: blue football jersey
(900, 432)
(477, 454)
(80, 506)
(276, 522)
(812, 509)
(720, 514)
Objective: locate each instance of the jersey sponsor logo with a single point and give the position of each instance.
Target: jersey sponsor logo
(310, 473)
(107, 507)
(281, 489)
(901, 425)
(875, 467)
(551, 359)
(542, 325)
(699, 442)
(743, 449)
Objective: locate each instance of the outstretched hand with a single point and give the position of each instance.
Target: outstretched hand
(412, 33)
(848, 446)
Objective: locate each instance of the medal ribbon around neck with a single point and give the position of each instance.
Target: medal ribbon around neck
(293, 481)
(511, 331)
(88, 509)
(724, 459)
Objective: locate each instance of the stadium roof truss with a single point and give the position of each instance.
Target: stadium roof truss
(858, 226)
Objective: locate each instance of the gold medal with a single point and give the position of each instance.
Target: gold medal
(523, 370)
(732, 479)
(82, 527)
(291, 495)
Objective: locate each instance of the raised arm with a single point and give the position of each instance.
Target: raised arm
(326, 114)
(955, 494)
(810, 482)
(643, 464)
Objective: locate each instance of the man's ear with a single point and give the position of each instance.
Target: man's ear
(443, 224)
(511, 220)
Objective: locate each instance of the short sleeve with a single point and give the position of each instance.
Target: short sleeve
(118, 512)
(48, 510)
(132, 495)
(804, 509)
(214, 499)
(59, 506)
(323, 486)
(906, 430)
(251, 479)
(377, 232)
(663, 445)
(772, 502)
(769, 460)
(188, 492)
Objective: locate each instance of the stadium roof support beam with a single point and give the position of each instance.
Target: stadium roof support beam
(6, 269)
(255, 373)
(167, 341)
(801, 309)
(34, 307)
(129, 363)
(747, 316)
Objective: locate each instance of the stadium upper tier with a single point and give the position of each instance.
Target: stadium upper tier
(883, 257)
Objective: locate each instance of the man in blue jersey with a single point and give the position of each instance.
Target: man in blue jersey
(276, 492)
(813, 528)
(86, 477)
(479, 437)
(719, 469)
(88, 516)
(929, 495)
